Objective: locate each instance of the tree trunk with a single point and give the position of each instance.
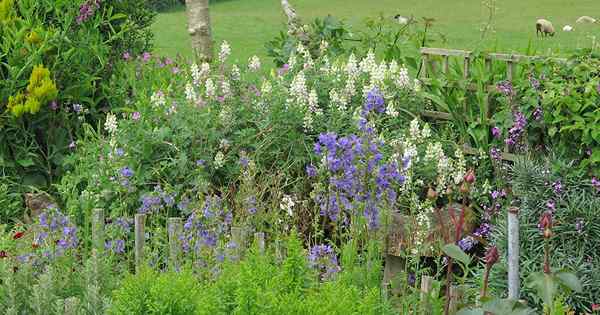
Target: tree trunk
(199, 28)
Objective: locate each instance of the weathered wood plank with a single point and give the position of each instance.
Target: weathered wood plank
(445, 52)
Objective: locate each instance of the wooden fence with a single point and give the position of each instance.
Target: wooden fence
(431, 58)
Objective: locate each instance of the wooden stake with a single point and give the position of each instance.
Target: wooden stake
(259, 238)
(513, 253)
(98, 230)
(426, 286)
(174, 229)
(139, 241)
(71, 306)
(456, 298)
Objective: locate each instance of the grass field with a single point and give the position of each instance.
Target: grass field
(248, 24)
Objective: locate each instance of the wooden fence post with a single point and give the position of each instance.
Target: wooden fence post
(278, 251)
(71, 306)
(238, 237)
(513, 253)
(174, 229)
(139, 241)
(98, 230)
(426, 286)
(456, 298)
(259, 238)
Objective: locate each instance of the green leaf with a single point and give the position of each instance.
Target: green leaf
(118, 16)
(26, 162)
(570, 280)
(545, 285)
(456, 253)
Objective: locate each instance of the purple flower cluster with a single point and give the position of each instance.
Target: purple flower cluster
(354, 164)
(535, 83)
(311, 171)
(482, 232)
(557, 187)
(87, 10)
(156, 201)
(55, 227)
(202, 229)
(538, 113)
(251, 205)
(358, 177)
(496, 132)
(118, 229)
(515, 132)
(467, 243)
(596, 183)
(116, 246)
(323, 259)
(505, 87)
(495, 154)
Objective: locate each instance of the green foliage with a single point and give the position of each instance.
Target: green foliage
(573, 243)
(455, 252)
(569, 96)
(11, 203)
(548, 285)
(328, 29)
(39, 118)
(498, 306)
(151, 292)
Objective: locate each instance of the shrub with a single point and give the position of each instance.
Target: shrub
(151, 292)
(56, 57)
(543, 185)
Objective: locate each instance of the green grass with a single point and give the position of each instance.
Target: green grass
(248, 24)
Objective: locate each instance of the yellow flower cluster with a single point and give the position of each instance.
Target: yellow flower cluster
(41, 90)
(33, 38)
(7, 13)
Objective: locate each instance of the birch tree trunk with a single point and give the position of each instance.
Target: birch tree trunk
(199, 28)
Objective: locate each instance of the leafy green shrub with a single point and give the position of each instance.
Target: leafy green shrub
(174, 132)
(55, 59)
(11, 203)
(541, 186)
(151, 292)
(328, 30)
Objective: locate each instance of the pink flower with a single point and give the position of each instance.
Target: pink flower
(136, 116)
(175, 70)
(126, 56)
(72, 145)
(146, 56)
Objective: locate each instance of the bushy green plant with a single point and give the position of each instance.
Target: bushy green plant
(328, 31)
(573, 203)
(190, 129)
(151, 292)
(56, 57)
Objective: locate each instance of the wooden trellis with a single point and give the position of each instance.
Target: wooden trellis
(430, 62)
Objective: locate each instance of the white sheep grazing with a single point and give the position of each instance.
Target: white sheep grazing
(402, 20)
(586, 19)
(567, 28)
(545, 27)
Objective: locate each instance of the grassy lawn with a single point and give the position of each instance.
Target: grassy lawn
(248, 24)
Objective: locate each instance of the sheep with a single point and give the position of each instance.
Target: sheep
(568, 28)
(544, 27)
(402, 20)
(586, 19)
